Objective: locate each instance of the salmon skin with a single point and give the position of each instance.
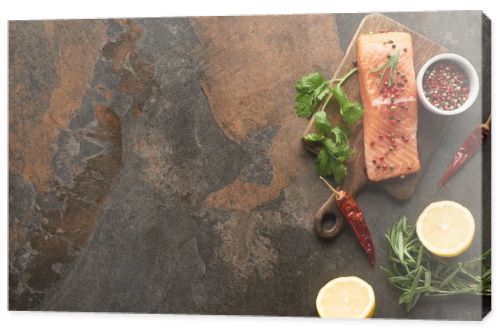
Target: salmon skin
(390, 105)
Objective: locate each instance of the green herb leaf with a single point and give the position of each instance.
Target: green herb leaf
(309, 83)
(340, 95)
(416, 272)
(322, 123)
(339, 172)
(338, 149)
(328, 165)
(340, 136)
(304, 105)
(311, 89)
(331, 147)
(323, 163)
(331, 160)
(321, 91)
(389, 65)
(351, 111)
(314, 137)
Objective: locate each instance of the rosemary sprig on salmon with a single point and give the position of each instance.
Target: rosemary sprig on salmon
(389, 65)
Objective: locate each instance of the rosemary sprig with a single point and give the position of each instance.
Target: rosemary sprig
(415, 272)
(389, 65)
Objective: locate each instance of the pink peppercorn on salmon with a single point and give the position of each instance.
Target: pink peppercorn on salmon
(388, 91)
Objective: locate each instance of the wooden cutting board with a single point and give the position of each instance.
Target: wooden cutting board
(430, 126)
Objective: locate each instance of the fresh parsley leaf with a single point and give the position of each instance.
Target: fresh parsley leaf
(311, 89)
(338, 151)
(339, 172)
(330, 146)
(309, 83)
(351, 111)
(314, 137)
(331, 159)
(324, 163)
(328, 165)
(304, 105)
(321, 91)
(340, 135)
(321, 122)
(340, 95)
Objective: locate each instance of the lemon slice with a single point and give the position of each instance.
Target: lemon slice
(346, 297)
(446, 228)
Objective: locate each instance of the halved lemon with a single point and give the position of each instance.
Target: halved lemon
(346, 297)
(446, 228)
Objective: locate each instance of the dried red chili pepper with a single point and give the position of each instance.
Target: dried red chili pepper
(352, 213)
(469, 147)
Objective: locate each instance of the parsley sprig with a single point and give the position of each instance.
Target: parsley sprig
(416, 272)
(313, 91)
(331, 159)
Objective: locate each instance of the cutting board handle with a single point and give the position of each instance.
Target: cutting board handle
(328, 214)
(328, 220)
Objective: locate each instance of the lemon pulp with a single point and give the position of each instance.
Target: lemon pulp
(346, 297)
(446, 228)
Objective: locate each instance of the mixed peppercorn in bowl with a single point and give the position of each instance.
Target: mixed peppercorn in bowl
(447, 84)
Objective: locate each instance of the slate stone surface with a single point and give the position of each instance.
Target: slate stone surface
(155, 166)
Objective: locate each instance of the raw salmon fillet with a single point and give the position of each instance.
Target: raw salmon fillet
(390, 110)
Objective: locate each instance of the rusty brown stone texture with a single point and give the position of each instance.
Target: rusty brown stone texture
(249, 58)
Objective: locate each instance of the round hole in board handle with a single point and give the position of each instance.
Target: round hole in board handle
(328, 222)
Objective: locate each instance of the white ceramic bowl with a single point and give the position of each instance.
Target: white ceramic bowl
(469, 71)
